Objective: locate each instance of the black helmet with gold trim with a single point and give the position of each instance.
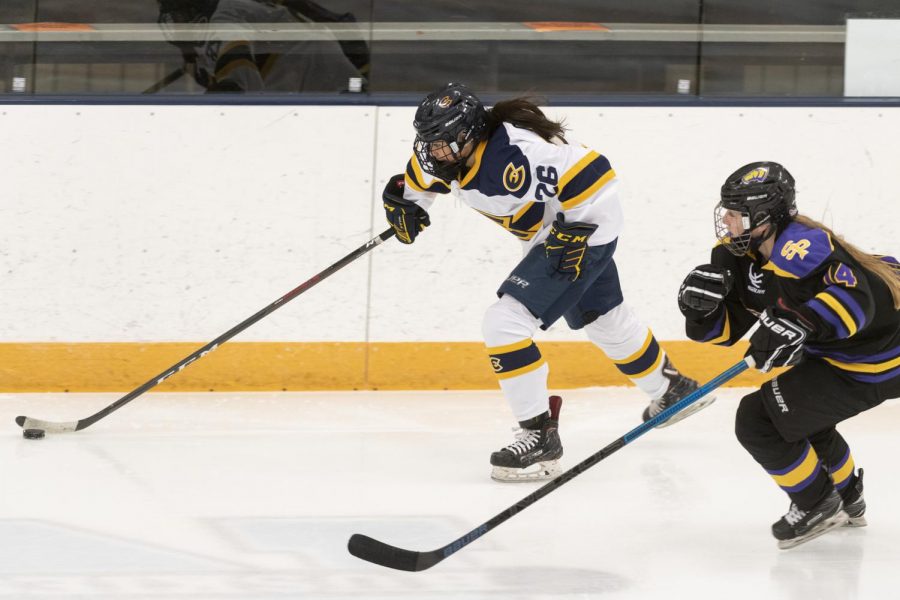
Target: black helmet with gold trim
(759, 193)
(446, 120)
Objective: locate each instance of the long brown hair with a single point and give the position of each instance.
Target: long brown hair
(871, 263)
(524, 112)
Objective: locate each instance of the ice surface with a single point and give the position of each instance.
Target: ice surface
(255, 495)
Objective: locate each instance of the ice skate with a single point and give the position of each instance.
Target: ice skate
(534, 456)
(854, 503)
(679, 387)
(799, 526)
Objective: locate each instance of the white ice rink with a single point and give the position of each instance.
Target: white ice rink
(254, 496)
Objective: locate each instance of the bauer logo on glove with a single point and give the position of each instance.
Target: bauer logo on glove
(778, 342)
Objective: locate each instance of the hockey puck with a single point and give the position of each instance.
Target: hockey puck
(33, 434)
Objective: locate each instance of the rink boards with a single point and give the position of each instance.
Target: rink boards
(135, 234)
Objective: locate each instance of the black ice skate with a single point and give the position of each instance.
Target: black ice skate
(679, 387)
(534, 456)
(854, 503)
(800, 526)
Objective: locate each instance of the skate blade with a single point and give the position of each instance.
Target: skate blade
(838, 520)
(693, 408)
(859, 521)
(541, 471)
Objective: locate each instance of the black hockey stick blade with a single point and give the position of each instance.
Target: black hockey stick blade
(56, 427)
(379, 553)
(370, 549)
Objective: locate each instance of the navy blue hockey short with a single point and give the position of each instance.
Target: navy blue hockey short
(594, 293)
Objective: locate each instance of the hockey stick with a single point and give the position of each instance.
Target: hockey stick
(386, 555)
(165, 81)
(57, 427)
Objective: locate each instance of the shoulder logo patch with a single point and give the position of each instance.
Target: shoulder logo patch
(513, 177)
(792, 249)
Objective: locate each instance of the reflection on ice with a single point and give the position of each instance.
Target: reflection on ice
(255, 496)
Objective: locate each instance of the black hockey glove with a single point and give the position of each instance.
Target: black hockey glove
(566, 246)
(703, 290)
(405, 217)
(778, 342)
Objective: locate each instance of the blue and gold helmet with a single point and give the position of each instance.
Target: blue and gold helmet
(454, 116)
(763, 194)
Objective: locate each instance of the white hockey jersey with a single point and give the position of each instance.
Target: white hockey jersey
(521, 181)
(270, 65)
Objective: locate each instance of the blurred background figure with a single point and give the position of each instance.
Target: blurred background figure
(251, 65)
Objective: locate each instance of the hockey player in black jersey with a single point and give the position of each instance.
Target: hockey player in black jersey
(824, 308)
(514, 166)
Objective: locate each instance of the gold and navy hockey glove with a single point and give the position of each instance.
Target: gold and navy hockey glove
(566, 247)
(703, 290)
(778, 341)
(407, 218)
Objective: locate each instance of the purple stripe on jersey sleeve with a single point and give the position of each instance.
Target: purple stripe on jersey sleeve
(875, 377)
(818, 307)
(856, 358)
(850, 303)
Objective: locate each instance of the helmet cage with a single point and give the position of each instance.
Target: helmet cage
(447, 168)
(738, 244)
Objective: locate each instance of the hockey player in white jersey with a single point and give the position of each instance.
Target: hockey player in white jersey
(248, 64)
(513, 165)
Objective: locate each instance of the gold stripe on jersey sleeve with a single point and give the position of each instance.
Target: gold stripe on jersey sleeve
(573, 202)
(575, 170)
(417, 183)
(835, 305)
(412, 184)
(864, 367)
(479, 152)
(770, 266)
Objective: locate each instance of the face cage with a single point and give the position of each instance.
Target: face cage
(447, 170)
(737, 245)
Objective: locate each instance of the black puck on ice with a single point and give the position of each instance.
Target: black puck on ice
(33, 434)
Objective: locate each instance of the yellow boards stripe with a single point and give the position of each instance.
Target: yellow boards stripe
(299, 366)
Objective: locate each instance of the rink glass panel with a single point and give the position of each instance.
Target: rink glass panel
(669, 60)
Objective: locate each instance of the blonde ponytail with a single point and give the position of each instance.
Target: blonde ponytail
(889, 274)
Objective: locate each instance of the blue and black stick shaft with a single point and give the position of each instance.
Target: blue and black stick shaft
(63, 427)
(372, 550)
